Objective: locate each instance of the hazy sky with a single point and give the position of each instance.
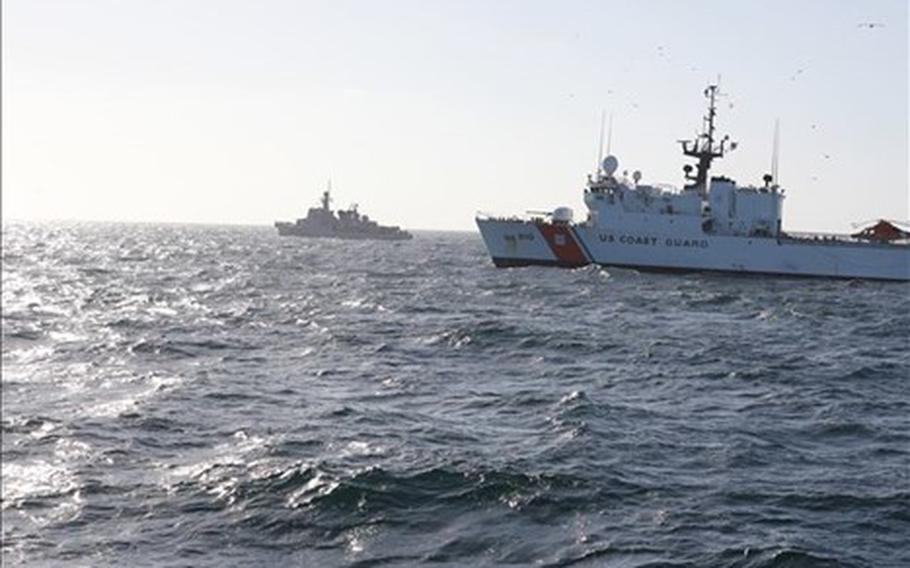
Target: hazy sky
(424, 112)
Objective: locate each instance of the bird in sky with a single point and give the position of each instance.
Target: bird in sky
(870, 25)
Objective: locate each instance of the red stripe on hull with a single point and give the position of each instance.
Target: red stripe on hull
(562, 243)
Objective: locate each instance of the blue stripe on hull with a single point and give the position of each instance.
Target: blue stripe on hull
(518, 262)
(515, 262)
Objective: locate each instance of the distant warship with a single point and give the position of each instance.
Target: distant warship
(343, 224)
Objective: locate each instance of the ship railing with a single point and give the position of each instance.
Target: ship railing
(486, 216)
(835, 238)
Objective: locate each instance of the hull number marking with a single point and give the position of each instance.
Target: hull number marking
(519, 237)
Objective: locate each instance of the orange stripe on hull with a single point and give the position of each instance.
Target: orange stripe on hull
(562, 243)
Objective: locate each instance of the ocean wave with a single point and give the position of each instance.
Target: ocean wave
(190, 395)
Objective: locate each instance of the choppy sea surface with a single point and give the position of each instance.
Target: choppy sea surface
(211, 396)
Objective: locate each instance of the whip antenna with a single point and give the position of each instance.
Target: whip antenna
(600, 147)
(610, 135)
(775, 151)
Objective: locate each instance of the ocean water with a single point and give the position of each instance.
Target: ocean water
(211, 396)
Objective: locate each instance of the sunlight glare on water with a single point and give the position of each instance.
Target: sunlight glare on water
(218, 395)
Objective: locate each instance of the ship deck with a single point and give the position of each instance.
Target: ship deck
(836, 239)
(790, 237)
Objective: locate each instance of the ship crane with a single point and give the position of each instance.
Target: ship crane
(704, 148)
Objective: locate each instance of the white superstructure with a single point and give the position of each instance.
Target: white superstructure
(710, 224)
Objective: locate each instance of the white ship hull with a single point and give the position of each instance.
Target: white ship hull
(523, 243)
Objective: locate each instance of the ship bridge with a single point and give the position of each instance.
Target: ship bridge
(726, 209)
(705, 205)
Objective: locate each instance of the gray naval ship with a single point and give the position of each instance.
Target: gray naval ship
(343, 224)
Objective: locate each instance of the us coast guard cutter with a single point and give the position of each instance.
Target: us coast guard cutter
(711, 224)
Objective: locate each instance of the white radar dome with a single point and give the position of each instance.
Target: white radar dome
(610, 164)
(562, 214)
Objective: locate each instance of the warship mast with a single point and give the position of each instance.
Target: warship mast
(326, 197)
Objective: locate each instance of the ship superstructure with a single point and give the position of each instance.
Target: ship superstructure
(343, 224)
(710, 224)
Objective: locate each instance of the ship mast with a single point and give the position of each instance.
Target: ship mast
(704, 148)
(326, 197)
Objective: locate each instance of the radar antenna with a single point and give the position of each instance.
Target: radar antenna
(704, 147)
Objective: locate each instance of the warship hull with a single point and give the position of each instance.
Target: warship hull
(286, 229)
(513, 242)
